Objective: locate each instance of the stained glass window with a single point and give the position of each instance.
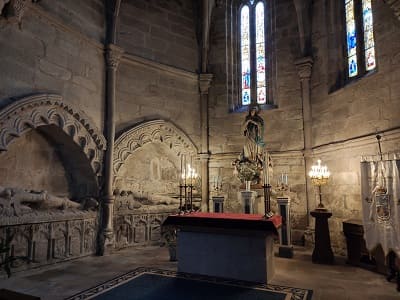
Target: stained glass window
(253, 60)
(245, 54)
(359, 37)
(351, 36)
(369, 44)
(260, 54)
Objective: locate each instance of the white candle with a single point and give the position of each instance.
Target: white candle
(181, 174)
(184, 170)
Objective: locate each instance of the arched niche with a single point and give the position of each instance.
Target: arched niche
(80, 145)
(147, 157)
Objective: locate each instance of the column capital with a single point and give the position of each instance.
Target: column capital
(304, 67)
(205, 82)
(113, 55)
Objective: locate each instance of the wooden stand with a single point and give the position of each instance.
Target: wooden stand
(322, 253)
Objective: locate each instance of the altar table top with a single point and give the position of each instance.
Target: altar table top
(231, 221)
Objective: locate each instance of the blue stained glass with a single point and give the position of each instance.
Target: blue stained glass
(351, 38)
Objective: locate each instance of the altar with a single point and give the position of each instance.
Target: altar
(235, 246)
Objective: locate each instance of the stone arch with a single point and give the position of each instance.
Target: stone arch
(40, 110)
(156, 131)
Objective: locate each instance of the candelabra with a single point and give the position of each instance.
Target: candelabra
(188, 176)
(319, 176)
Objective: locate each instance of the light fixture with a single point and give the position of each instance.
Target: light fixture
(319, 175)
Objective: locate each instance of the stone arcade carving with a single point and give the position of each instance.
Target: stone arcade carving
(49, 109)
(139, 214)
(42, 226)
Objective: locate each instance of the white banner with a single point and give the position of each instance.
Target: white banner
(380, 194)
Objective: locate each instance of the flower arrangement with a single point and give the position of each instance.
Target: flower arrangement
(247, 170)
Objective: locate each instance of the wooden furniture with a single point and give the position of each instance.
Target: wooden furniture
(322, 253)
(358, 255)
(235, 246)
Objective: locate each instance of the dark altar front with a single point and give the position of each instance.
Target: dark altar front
(236, 246)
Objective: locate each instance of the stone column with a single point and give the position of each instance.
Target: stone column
(304, 68)
(113, 56)
(204, 86)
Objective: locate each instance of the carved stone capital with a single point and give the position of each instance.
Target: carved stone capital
(113, 56)
(304, 67)
(205, 82)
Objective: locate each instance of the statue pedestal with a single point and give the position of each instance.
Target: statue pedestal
(247, 198)
(322, 253)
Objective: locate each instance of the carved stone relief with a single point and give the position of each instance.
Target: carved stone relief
(146, 170)
(157, 131)
(47, 109)
(139, 229)
(50, 242)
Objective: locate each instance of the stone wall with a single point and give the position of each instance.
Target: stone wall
(346, 117)
(162, 31)
(148, 91)
(56, 49)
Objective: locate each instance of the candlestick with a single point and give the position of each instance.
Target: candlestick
(266, 176)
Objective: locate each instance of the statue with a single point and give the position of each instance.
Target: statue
(249, 165)
(253, 130)
(17, 201)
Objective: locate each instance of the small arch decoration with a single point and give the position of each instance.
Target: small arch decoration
(156, 131)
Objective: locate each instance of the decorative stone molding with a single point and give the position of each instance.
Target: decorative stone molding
(51, 242)
(304, 67)
(157, 131)
(32, 112)
(139, 229)
(113, 56)
(205, 82)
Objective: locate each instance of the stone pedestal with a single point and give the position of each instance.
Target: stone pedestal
(322, 253)
(285, 247)
(247, 199)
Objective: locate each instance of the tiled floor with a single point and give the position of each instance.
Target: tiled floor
(336, 282)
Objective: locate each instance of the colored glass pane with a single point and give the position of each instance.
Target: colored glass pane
(353, 70)
(260, 54)
(369, 45)
(351, 38)
(261, 95)
(246, 97)
(245, 54)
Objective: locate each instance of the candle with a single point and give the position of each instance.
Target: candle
(184, 168)
(180, 177)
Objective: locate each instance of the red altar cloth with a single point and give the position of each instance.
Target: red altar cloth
(226, 220)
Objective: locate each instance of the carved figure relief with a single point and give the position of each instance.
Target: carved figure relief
(16, 201)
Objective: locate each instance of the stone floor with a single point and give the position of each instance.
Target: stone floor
(336, 282)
